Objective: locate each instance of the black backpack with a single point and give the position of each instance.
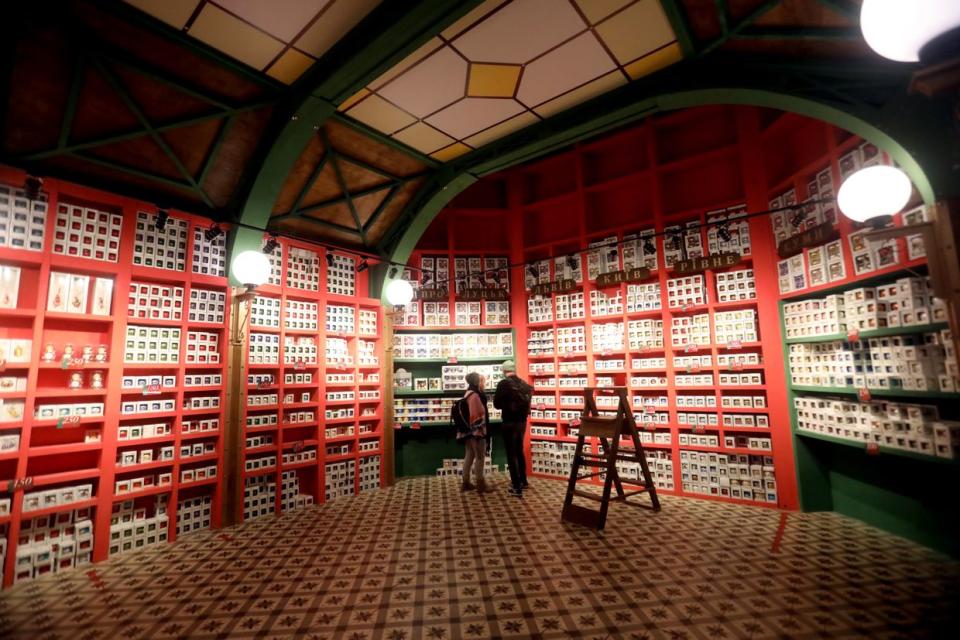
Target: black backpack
(518, 403)
(460, 416)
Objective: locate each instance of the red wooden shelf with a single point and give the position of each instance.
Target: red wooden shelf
(152, 491)
(82, 504)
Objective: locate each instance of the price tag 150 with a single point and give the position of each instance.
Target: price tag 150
(64, 421)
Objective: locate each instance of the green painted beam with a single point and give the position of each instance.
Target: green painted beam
(214, 149)
(326, 224)
(346, 191)
(311, 180)
(723, 15)
(383, 138)
(70, 110)
(133, 171)
(744, 22)
(139, 132)
(134, 108)
(382, 207)
(799, 33)
(293, 213)
(677, 16)
(843, 7)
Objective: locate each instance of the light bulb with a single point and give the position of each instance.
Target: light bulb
(251, 268)
(898, 29)
(875, 191)
(399, 292)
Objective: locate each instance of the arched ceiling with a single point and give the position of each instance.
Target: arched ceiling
(330, 119)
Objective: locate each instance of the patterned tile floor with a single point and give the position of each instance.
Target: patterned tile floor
(421, 560)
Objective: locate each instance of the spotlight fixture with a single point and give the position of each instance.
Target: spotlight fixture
(213, 232)
(496, 277)
(271, 244)
(363, 266)
(798, 217)
(31, 187)
(532, 270)
(572, 263)
(391, 275)
(329, 260)
(648, 246)
(160, 220)
(724, 232)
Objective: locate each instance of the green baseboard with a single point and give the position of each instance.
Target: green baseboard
(420, 452)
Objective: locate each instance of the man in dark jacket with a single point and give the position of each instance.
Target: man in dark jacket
(512, 397)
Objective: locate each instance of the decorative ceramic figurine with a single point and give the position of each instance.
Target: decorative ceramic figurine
(101, 353)
(96, 380)
(68, 352)
(87, 353)
(76, 381)
(49, 353)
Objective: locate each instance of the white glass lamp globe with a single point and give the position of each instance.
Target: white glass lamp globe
(251, 268)
(875, 191)
(399, 292)
(898, 29)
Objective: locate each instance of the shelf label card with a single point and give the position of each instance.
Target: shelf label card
(299, 366)
(691, 348)
(736, 366)
(3, 364)
(541, 406)
(72, 363)
(151, 389)
(864, 394)
(19, 484)
(67, 420)
(650, 426)
(734, 344)
(452, 360)
(415, 425)
(575, 423)
(699, 429)
(712, 261)
(853, 335)
(649, 409)
(693, 368)
(298, 446)
(873, 449)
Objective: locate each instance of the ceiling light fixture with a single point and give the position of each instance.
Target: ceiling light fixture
(252, 268)
(874, 194)
(912, 30)
(399, 292)
(363, 266)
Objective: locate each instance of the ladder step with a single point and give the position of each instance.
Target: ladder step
(593, 463)
(590, 475)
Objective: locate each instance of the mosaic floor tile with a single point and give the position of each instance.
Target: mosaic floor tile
(422, 561)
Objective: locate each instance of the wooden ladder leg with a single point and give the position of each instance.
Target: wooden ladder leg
(574, 472)
(608, 483)
(612, 452)
(647, 478)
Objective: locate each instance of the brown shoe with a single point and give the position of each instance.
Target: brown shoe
(467, 487)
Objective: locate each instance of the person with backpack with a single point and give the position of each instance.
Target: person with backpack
(512, 397)
(471, 418)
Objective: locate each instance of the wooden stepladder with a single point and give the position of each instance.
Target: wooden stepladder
(609, 431)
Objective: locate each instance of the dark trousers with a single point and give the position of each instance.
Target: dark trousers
(513, 433)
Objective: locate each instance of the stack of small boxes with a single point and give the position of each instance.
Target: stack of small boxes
(454, 467)
(264, 348)
(164, 248)
(743, 477)
(540, 342)
(53, 543)
(369, 470)
(569, 306)
(207, 306)
(23, 221)
(690, 330)
(340, 477)
(299, 349)
(337, 351)
(265, 312)
(907, 427)
(60, 496)
(686, 291)
(606, 304)
(209, 256)
(552, 458)
(88, 233)
(301, 315)
(367, 353)
(643, 297)
(540, 309)
(660, 465)
(340, 319)
(259, 497)
(152, 345)
(460, 345)
(573, 339)
(194, 514)
(466, 314)
(131, 529)
(815, 317)
(203, 347)
(606, 337)
(155, 302)
(367, 322)
(341, 275)
(916, 363)
(735, 286)
(275, 258)
(290, 496)
(303, 269)
(735, 326)
(645, 334)
(496, 312)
